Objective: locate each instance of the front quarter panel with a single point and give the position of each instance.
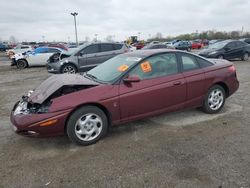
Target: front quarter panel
(104, 95)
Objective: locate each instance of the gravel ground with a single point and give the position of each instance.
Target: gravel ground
(181, 149)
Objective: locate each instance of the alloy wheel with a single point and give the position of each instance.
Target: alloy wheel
(88, 127)
(69, 69)
(215, 99)
(245, 57)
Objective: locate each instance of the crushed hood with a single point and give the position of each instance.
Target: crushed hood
(55, 82)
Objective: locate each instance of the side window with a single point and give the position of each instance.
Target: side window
(118, 46)
(240, 44)
(155, 47)
(24, 47)
(231, 45)
(106, 47)
(41, 50)
(52, 50)
(161, 46)
(91, 49)
(156, 66)
(203, 63)
(188, 62)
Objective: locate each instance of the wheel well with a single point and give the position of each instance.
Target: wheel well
(69, 64)
(224, 86)
(107, 113)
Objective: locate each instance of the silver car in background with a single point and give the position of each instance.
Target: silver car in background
(85, 57)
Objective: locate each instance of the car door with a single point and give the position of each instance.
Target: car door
(194, 78)
(240, 49)
(161, 88)
(38, 59)
(107, 51)
(231, 50)
(88, 57)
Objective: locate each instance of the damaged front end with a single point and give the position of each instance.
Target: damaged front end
(32, 115)
(24, 106)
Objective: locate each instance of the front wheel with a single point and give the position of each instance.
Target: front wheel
(69, 68)
(214, 100)
(21, 64)
(87, 125)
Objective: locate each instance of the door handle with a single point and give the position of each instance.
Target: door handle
(177, 83)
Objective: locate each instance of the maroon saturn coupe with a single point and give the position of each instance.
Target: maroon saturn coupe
(127, 87)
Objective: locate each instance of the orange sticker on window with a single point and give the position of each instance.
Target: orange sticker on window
(146, 67)
(123, 68)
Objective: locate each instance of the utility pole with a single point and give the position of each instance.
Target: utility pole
(75, 14)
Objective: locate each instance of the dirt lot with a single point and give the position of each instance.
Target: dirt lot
(181, 149)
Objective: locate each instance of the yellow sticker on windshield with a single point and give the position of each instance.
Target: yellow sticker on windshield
(123, 68)
(146, 67)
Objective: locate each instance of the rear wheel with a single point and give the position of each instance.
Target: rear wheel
(245, 57)
(189, 49)
(21, 64)
(87, 125)
(214, 100)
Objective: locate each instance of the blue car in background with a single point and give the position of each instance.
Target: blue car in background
(3, 47)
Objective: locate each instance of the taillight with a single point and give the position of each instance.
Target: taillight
(232, 68)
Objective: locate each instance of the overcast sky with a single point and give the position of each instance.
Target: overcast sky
(31, 19)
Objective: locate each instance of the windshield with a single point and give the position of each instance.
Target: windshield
(113, 68)
(218, 45)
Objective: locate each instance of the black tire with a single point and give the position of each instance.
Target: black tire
(206, 107)
(72, 125)
(245, 57)
(21, 64)
(220, 57)
(188, 49)
(69, 68)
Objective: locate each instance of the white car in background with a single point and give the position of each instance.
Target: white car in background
(131, 48)
(18, 49)
(38, 57)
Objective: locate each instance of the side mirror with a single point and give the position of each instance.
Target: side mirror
(81, 53)
(133, 78)
(227, 48)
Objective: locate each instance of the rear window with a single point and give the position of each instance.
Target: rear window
(118, 46)
(188, 62)
(106, 47)
(203, 63)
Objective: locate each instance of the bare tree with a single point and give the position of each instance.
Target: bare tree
(109, 38)
(158, 35)
(13, 39)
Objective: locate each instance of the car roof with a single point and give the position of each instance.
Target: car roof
(147, 53)
(46, 47)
